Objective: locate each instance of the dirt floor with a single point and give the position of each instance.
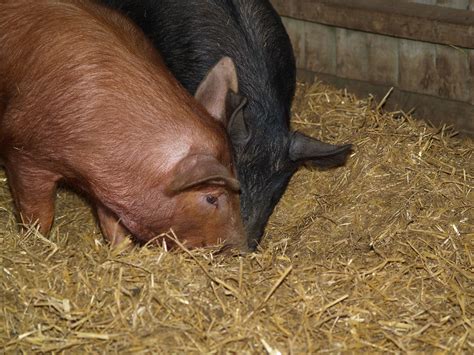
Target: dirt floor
(373, 256)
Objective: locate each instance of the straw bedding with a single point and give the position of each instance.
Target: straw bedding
(373, 256)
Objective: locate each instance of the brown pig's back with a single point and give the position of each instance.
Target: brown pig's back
(93, 89)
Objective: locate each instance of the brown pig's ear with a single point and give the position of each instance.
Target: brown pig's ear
(199, 170)
(212, 92)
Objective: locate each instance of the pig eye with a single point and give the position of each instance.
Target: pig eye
(211, 200)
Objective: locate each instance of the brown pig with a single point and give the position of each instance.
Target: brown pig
(86, 100)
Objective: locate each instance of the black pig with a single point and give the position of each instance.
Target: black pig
(192, 36)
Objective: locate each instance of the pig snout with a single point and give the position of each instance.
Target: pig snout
(237, 237)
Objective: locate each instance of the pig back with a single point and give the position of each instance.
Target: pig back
(83, 81)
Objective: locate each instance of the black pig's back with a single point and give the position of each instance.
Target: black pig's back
(193, 35)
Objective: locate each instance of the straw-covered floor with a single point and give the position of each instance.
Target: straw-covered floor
(373, 256)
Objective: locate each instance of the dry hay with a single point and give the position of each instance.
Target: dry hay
(373, 256)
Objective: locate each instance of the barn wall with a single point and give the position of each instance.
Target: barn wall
(371, 50)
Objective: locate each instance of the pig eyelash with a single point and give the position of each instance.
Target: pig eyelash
(211, 200)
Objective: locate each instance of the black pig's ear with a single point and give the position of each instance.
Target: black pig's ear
(307, 150)
(212, 92)
(236, 127)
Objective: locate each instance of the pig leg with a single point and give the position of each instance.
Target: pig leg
(111, 227)
(33, 192)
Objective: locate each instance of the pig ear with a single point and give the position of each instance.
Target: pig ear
(237, 128)
(212, 92)
(307, 150)
(198, 170)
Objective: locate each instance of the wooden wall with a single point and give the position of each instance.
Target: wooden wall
(426, 52)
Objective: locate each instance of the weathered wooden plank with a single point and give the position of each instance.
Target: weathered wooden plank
(390, 17)
(296, 33)
(471, 76)
(383, 59)
(457, 4)
(418, 67)
(320, 47)
(352, 54)
(452, 65)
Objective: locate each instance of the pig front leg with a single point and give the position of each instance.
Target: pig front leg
(110, 226)
(33, 191)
